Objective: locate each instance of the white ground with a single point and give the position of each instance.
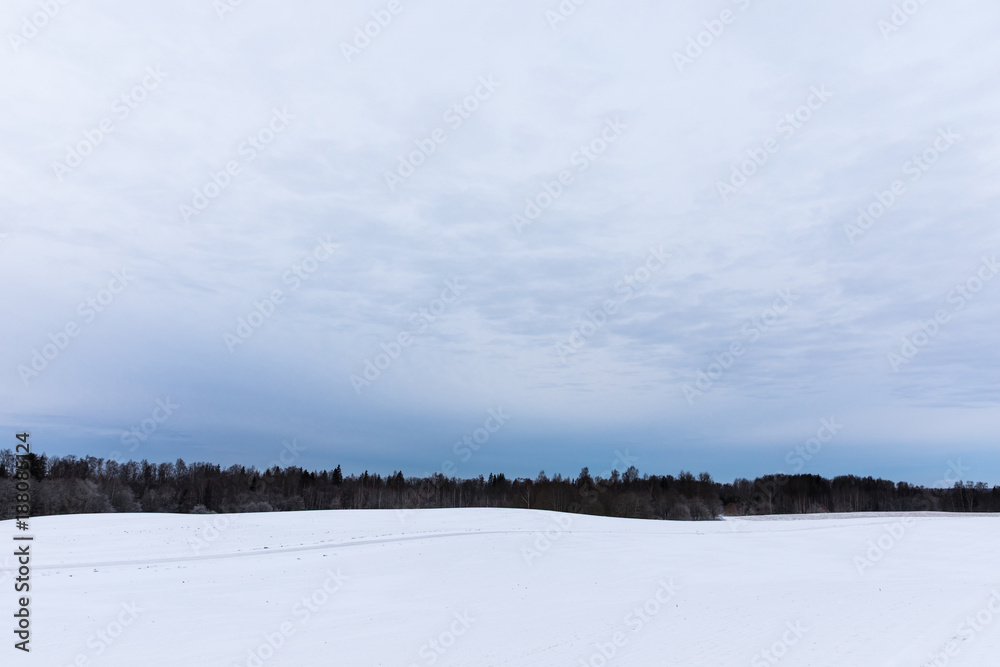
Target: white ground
(716, 593)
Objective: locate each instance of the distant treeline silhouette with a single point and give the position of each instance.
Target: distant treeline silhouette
(71, 485)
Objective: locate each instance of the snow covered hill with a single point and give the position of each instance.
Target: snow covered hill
(480, 587)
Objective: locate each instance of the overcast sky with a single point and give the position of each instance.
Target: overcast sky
(632, 230)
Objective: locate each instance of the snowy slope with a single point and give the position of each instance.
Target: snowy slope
(480, 587)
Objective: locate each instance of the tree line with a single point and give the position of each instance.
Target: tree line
(71, 485)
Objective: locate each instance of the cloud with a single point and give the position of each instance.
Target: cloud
(494, 149)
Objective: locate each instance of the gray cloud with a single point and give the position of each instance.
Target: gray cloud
(324, 176)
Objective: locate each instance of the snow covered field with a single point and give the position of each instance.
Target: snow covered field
(481, 587)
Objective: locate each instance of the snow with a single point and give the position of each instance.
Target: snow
(479, 587)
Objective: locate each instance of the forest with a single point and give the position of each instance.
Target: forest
(72, 485)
